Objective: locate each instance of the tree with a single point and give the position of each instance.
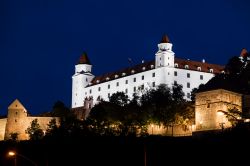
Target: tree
(34, 131)
(14, 136)
(233, 115)
(52, 128)
(119, 98)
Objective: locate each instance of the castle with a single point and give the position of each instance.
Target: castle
(18, 121)
(88, 89)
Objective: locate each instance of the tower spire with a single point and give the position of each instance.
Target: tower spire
(165, 39)
(84, 59)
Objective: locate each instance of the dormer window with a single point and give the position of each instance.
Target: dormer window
(132, 71)
(223, 72)
(176, 65)
(116, 76)
(123, 74)
(152, 66)
(186, 66)
(97, 81)
(199, 68)
(107, 78)
(143, 68)
(211, 70)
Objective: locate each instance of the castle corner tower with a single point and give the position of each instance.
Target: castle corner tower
(164, 55)
(81, 79)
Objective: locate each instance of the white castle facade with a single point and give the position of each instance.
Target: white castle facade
(164, 69)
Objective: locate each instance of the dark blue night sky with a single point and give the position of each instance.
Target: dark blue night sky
(41, 40)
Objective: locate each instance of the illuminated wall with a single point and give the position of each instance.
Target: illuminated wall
(207, 105)
(18, 121)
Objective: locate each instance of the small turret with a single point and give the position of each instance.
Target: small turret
(80, 80)
(164, 55)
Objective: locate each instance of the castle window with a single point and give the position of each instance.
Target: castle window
(15, 120)
(153, 74)
(76, 94)
(201, 77)
(16, 113)
(188, 95)
(144, 68)
(210, 70)
(86, 79)
(134, 89)
(188, 75)
(208, 103)
(126, 82)
(98, 98)
(175, 73)
(117, 84)
(99, 88)
(16, 105)
(108, 95)
(126, 90)
(142, 77)
(85, 93)
(186, 66)
(199, 68)
(90, 91)
(188, 85)
(153, 84)
(142, 87)
(108, 86)
(175, 82)
(134, 79)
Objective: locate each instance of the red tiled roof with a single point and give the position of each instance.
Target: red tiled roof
(84, 59)
(192, 65)
(165, 39)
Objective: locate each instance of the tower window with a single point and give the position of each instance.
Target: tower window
(153, 74)
(134, 79)
(188, 75)
(153, 84)
(134, 89)
(142, 87)
(175, 82)
(126, 90)
(142, 77)
(188, 85)
(117, 84)
(126, 82)
(175, 73)
(90, 91)
(188, 95)
(108, 86)
(86, 79)
(99, 88)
